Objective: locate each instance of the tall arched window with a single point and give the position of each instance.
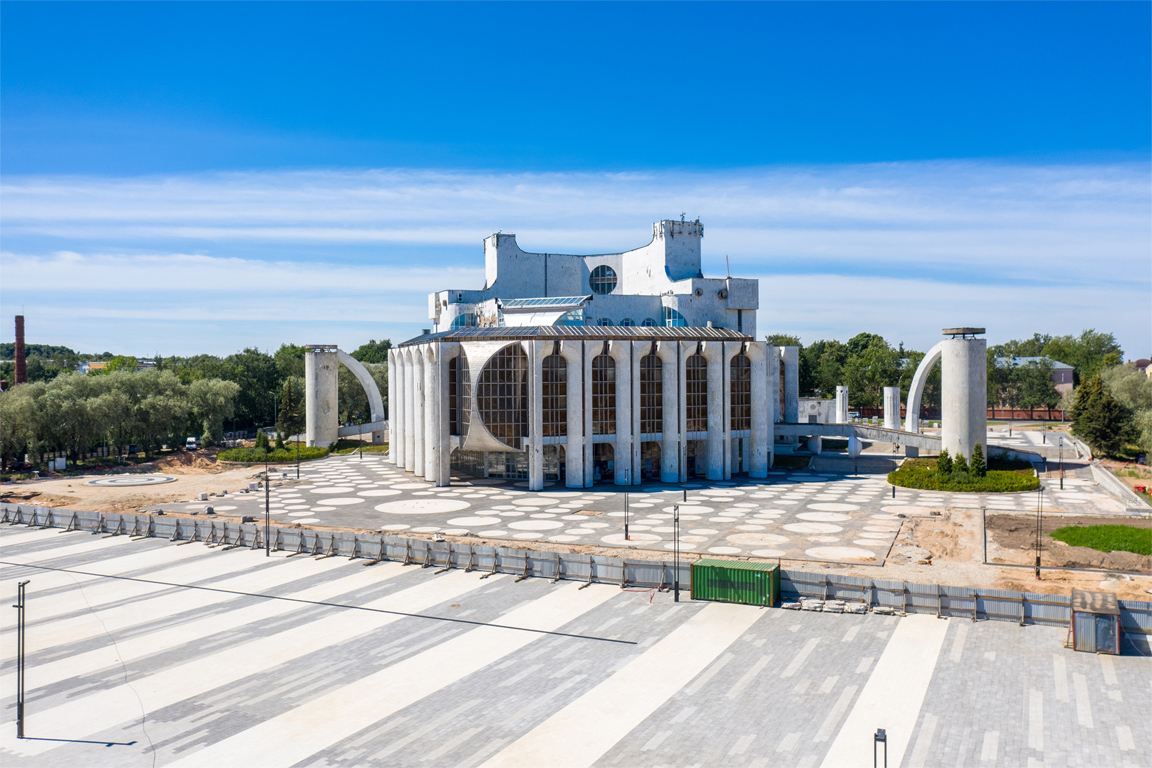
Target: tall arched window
(673, 319)
(466, 320)
(741, 392)
(502, 396)
(555, 394)
(603, 395)
(651, 394)
(696, 393)
(459, 394)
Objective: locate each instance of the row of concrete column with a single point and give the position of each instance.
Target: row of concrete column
(418, 390)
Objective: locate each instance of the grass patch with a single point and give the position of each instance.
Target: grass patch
(1107, 538)
(287, 453)
(922, 475)
(788, 461)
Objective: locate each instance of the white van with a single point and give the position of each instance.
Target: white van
(192, 444)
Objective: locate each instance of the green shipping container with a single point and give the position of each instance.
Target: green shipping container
(736, 581)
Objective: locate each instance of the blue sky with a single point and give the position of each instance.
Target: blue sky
(308, 172)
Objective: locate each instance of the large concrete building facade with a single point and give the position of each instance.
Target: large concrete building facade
(622, 368)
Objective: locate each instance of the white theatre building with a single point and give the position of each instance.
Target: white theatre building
(620, 368)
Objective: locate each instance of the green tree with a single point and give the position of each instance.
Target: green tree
(373, 352)
(1088, 354)
(868, 371)
(944, 462)
(977, 466)
(959, 465)
(1098, 418)
(1035, 386)
(212, 402)
(291, 417)
(290, 360)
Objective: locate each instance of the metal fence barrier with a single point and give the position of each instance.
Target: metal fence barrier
(896, 596)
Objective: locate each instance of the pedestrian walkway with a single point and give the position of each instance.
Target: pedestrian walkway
(296, 661)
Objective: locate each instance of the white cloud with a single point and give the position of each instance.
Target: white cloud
(907, 247)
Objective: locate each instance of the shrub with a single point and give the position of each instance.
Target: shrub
(944, 462)
(977, 466)
(911, 475)
(960, 465)
(287, 453)
(262, 441)
(279, 441)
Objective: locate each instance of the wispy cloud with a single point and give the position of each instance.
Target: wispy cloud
(839, 249)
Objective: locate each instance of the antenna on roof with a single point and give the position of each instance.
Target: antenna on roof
(682, 215)
(727, 267)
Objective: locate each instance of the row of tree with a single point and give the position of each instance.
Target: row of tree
(271, 386)
(74, 413)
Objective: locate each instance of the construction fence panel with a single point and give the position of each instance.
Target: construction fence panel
(949, 601)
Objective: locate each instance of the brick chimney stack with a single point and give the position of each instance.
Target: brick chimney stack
(21, 364)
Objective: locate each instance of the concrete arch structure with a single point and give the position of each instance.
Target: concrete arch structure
(916, 391)
(321, 370)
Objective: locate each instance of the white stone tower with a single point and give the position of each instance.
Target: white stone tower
(964, 391)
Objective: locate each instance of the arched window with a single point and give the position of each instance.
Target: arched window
(651, 395)
(627, 322)
(502, 396)
(555, 394)
(741, 392)
(603, 321)
(602, 280)
(603, 395)
(648, 322)
(696, 393)
(673, 319)
(459, 393)
(575, 317)
(466, 320)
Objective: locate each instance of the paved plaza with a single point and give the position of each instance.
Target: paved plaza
(497, 672)
(796, 515)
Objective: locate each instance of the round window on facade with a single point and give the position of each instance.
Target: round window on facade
(602, 280)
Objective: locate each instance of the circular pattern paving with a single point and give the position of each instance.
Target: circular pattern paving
(343, 502)
(124, 481)
(536, 525)
(813, 528)
(378, 492)
(467, 521)
(758, 539)
(841, 553)
(829, 507)
(636, 539)
(422, 506)
(334, 489)
(823, 517)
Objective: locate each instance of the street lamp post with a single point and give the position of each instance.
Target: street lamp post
(676, 552)
(626, 516)
(20, 658)
(297, 457)
(1039, 528)
(267, 510)
(1060, 455)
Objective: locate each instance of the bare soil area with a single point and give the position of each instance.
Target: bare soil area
(195, 472)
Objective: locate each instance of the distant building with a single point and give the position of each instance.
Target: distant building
(1144, 366)
(96, 365)
(1061, 372)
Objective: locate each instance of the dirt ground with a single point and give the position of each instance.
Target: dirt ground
(195, 473)
(941, 548)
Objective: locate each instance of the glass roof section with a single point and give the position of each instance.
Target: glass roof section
(547, 301)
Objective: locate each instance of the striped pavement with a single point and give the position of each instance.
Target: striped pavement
(151, 653)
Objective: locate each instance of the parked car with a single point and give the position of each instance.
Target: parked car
(192, 444)
(853, 414)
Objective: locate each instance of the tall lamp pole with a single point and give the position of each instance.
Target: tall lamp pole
(676, 551)
(626, 516)
(1039, 528)
(267, 510)
(1060, 454)
(20, 658)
